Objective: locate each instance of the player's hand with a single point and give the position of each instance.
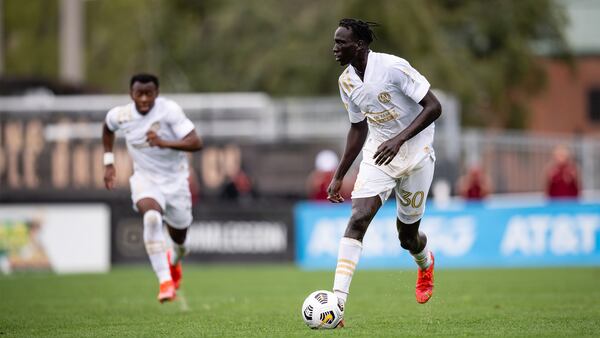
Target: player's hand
(153, 139)
(333, 191)
(387, 151)
(109, 176)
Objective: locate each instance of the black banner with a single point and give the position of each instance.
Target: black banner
(221, 232)
(46, 156)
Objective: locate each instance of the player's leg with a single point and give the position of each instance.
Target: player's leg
(156, 247)
(178, 237)
(174, 257)
(363, 211)
(372, 187)
(149, 202)
(411, 194)
(178, 216)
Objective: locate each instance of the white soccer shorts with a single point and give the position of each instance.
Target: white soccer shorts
(174, 198)
(411, 189)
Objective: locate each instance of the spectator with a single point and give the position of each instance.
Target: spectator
(237, 187)
(325, 164)
(562, 176)
(474, 184)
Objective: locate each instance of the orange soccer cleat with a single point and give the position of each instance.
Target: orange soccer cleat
(166, 292)
(176, 272)
(424, 289)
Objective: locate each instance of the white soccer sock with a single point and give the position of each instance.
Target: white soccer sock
(348, 255)
(423, 258)
(179, 250)
(154, 240)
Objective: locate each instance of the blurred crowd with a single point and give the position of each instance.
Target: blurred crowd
(561, 179)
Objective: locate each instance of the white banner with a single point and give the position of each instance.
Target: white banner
(66, 238)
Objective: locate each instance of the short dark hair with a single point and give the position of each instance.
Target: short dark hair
(361, 29)
(143, 78)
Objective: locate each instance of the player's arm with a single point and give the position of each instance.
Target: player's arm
(190, 142)
(354, 141)
(108, 140)
(432, 109)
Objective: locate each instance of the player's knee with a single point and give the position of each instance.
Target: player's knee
(357, 227)
(153, 237)
(409, 218)
(152, 220)
(179, 219)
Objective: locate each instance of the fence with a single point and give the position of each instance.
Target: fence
(34, 130)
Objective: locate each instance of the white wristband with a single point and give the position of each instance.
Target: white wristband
(109, 158)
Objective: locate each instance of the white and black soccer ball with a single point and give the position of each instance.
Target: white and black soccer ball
(322, 310)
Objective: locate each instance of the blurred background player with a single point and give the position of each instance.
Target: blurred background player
(562, 175)
(390, 102)
(157, 134)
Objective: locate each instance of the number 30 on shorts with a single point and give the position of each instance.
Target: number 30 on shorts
(415, 200)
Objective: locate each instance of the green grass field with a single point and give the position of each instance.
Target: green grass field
(265, 301)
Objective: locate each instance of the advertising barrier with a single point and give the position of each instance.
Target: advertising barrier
(465, 236)
(64, 238)
(221, 232)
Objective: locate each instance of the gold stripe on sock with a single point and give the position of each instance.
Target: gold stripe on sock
(346, 266)
(347, 261)
(154, 247)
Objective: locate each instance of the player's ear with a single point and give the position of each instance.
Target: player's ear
(361, 44)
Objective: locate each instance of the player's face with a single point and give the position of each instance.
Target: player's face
(144, 95)
(345, 47)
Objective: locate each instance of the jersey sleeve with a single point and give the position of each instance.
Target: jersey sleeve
(409, 81)
(179, 123)
(354, 113)
(112, 119)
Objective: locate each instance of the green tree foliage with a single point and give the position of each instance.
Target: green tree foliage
(31, 37)
(479, 50)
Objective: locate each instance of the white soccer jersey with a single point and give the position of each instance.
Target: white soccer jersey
(389, 99)
(162, 165)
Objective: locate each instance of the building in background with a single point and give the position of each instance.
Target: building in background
(570, 102)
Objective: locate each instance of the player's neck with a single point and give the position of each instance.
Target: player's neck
(360, 64)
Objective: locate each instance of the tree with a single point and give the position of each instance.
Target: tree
(482, 51)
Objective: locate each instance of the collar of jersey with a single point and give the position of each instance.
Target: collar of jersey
(366, 68)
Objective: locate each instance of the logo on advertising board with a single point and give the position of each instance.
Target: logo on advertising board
(466, 236)
(21, 246)
(238, 237)
(249, 234)
(560, 235)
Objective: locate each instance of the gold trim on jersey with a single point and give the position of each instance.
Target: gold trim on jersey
(124, 115)
(345, 81)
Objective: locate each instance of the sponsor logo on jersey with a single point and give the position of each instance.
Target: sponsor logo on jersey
(381, 117)
(155, 126)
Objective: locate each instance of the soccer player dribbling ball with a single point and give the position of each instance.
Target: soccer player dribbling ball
(157, 134)
(391, 107)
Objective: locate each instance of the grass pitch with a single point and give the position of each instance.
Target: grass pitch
(265, 301)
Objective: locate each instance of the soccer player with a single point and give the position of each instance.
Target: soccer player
(157, 134)
(391, 108)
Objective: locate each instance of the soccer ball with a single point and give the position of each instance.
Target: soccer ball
(322, 310)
